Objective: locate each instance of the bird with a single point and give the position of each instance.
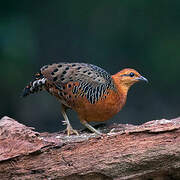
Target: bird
(89, 90)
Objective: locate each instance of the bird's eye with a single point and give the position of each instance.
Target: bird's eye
(131, 74)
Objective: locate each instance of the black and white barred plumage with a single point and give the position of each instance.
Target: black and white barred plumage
(93, 81)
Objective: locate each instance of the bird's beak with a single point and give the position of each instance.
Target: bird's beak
(141, 78)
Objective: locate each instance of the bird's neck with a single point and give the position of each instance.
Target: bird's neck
(121, 87)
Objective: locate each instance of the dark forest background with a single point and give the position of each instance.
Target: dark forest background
(144, 35)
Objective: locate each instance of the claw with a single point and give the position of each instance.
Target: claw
(70, 131)
(91, 128)
(64, 122)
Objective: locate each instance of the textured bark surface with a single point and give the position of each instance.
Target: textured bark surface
(147, 152)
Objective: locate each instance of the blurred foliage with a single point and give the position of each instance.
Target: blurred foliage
(112, 34)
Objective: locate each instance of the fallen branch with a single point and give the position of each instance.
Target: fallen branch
(148, 151)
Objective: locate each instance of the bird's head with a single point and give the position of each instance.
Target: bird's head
(127, 77)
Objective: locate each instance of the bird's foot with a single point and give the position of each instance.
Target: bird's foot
(92, 129)
(98, 133)
(70, 130)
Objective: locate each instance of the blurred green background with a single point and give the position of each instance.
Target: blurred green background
(144, 35)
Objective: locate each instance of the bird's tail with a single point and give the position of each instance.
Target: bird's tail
(34, 86)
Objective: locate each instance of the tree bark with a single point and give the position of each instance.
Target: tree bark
(150, 151)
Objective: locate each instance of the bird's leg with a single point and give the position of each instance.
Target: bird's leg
(69, 128)
(91, 128)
